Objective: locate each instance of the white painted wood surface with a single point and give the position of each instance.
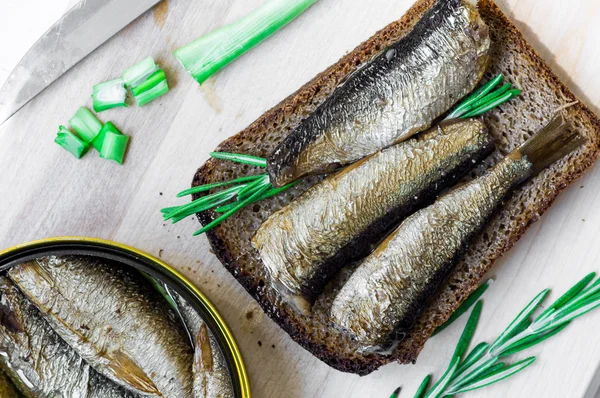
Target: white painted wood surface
(44, 192)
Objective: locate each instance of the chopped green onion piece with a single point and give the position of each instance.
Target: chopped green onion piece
(108, 95)
(114, 146)
(155, 86)
(208, 54)
(99, 140)
(71, 142)
(85, 125)
(140, 72)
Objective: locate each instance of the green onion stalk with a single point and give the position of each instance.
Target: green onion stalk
(247, 190)
(206, 55)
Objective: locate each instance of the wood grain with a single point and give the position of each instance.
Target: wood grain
(45, 192)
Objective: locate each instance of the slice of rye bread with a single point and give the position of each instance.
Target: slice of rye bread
(511, 124)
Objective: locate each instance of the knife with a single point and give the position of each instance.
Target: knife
(79, 32)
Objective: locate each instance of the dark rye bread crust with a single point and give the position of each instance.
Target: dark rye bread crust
(513, 123)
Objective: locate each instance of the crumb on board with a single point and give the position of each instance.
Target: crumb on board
(160, 252)
(259, 343)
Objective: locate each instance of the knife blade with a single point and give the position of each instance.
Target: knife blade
(79, 32)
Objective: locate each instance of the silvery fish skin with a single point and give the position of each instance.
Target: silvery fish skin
(397, 94)
(113, 320)
(384, 294)
(339, 219)
(38, 360)
(211, 374)
(101, 387)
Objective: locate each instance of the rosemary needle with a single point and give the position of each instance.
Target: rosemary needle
(423, 387)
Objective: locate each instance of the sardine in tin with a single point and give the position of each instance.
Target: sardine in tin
(144, 262)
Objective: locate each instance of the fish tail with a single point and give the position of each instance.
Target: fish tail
(551, 143)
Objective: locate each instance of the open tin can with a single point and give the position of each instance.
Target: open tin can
(131, 257)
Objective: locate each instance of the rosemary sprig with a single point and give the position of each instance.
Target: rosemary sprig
(231, 200)
(482, 367)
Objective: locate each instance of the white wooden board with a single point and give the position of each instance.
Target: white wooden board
(44, 192)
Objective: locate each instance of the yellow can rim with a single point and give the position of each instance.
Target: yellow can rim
(240, 369)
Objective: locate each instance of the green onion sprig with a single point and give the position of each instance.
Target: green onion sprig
(208, 54)
(247, 190)
(482, 367)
